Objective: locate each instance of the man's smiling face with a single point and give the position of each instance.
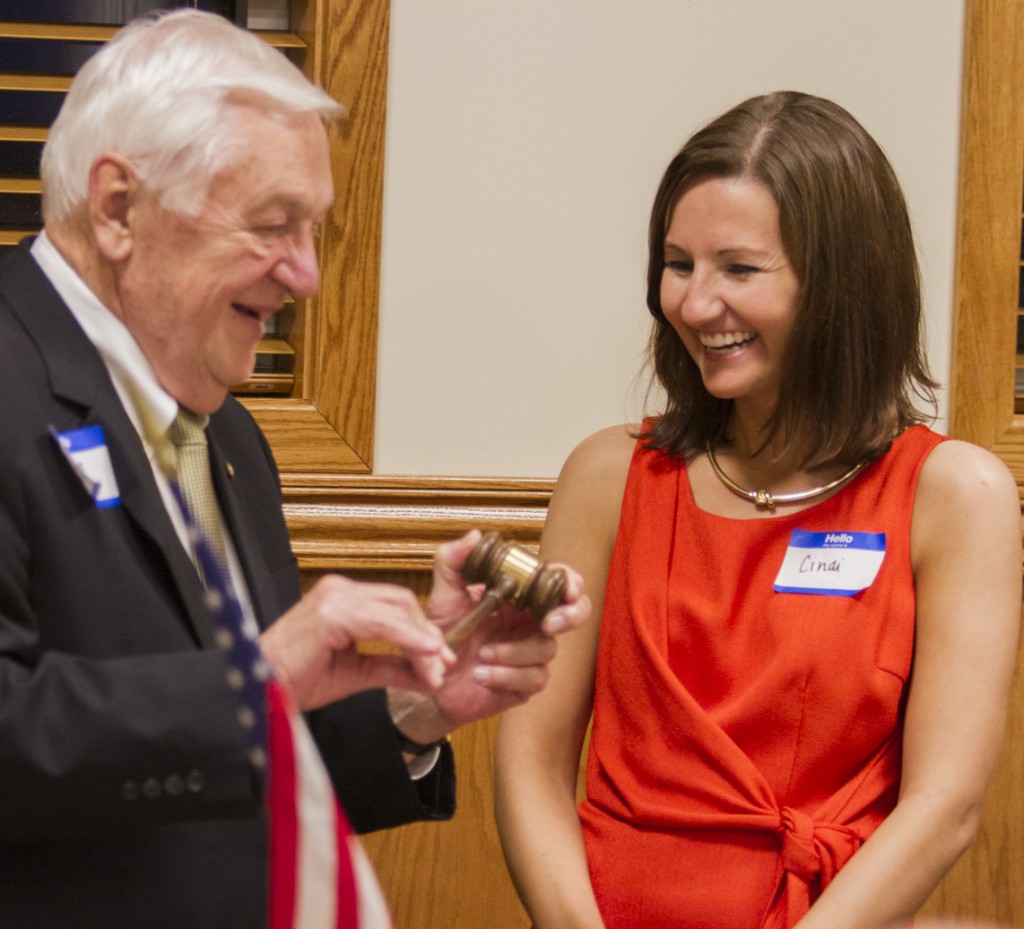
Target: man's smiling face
(195, 291)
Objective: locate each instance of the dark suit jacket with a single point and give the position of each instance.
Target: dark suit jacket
(125, 795)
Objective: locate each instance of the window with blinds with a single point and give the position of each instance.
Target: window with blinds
(42, 46)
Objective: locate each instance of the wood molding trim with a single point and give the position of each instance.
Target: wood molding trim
(989, 228)
(985, 884)
(385, 529)
(989, 232)
(355, 522)
(336, 332)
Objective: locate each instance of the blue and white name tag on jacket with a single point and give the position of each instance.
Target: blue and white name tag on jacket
(86, 451)
(839, 564)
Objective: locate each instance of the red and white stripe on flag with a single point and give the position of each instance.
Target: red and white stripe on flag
(320, 877)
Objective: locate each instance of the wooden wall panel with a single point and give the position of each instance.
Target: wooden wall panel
(435, 875)
(448, 875)
(988, 254)
(989, 880)
(327, 424)
(375, 523)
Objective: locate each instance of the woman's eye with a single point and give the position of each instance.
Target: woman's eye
(679, 265)
(742, 270)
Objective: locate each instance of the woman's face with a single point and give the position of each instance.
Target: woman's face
(728, 288)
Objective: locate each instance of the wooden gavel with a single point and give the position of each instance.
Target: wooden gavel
(508, 572)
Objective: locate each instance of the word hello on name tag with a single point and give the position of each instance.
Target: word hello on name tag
(839, 564)
(87, 453)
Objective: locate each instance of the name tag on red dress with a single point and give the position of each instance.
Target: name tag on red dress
(837, 564)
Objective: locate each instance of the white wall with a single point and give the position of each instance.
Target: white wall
(525, 139)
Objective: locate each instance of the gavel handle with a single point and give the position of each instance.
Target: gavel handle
(489, 602)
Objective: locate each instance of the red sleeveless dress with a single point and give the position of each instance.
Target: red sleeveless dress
(745, 741)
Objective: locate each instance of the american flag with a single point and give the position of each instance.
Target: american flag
(319, 876)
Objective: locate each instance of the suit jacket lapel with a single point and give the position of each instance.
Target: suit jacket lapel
(78, 376)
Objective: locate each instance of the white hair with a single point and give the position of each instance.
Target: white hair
(158, 94)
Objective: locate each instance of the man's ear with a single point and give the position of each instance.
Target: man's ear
(113, 190)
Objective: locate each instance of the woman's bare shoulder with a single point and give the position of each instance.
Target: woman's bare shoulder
(962, 469)
(583, 515)
(605, 455)
(589, 491)
(966, 497)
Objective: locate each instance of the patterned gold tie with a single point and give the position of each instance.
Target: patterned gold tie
(193, 467)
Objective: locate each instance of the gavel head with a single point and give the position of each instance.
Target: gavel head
(538, 588)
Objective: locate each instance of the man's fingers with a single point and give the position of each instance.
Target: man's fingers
(323, 648)
(353, 611)
(422, 675)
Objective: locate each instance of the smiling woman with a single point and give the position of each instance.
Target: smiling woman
(856, 355)
(867, 583)
(728, 289)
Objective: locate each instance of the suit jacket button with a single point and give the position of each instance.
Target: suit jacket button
(151, 788)
(195, 781)
(129, 790)
(174, 785)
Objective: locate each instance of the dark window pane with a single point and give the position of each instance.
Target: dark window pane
(20, 159)
(108, 12)
(21, 211)
(44, 56)
(29, 108)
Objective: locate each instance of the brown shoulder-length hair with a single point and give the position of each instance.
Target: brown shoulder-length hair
(854, 363)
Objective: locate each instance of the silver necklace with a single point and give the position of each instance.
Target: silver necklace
(765, 498)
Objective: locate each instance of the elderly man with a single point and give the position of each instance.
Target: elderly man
(183, 182)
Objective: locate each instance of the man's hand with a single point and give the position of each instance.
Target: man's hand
(313, 647)
(501, 664)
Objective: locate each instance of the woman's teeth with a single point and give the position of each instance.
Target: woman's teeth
(725, 340)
